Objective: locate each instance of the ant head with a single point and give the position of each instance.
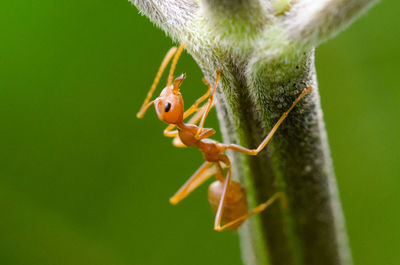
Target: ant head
(169, 105)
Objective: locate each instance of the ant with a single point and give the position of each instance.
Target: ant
(227, 197)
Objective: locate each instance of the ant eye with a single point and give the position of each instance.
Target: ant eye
(167, 107)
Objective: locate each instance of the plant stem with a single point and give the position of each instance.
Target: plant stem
(297, 162)
(267, 59)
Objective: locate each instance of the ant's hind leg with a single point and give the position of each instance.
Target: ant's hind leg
(259, 208)
(253, 152)
(201, 175)
(220, 211)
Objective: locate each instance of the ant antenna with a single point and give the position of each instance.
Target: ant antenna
(163, 65)
(173, 65)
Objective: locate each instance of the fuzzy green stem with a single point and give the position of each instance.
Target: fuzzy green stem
(265, 64)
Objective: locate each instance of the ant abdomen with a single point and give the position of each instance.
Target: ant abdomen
(235, 204)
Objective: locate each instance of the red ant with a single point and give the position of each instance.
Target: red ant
(227, 197)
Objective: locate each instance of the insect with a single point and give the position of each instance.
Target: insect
(227, 197)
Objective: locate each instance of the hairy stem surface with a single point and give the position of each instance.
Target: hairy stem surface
(266, 55)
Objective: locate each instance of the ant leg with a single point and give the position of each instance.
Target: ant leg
(174, 62)
(201, 175)
(164, 64)
(256, 210)
(195, 106)
(254, 152)
(169, 133)
(220, 211)
(177, 142)
(210, 103)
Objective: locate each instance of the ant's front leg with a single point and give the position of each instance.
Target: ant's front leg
(169, 133)
(210, 103)
(195, 107)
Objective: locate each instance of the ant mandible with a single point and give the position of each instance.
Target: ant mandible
(227, 197)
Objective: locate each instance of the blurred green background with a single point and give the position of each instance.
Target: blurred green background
(82, 181)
